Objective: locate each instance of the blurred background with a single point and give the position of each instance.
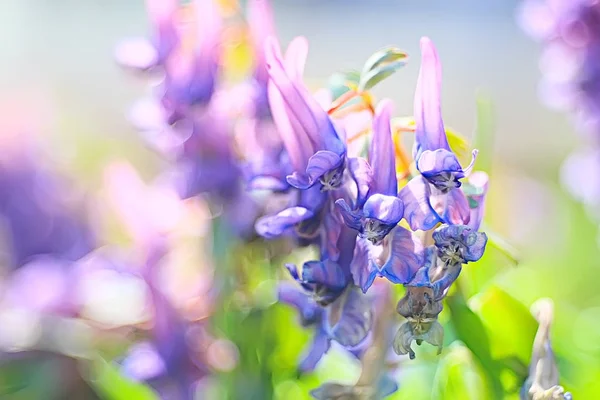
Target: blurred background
(59, 83)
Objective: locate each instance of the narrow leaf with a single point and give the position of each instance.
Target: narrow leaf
(484, 133)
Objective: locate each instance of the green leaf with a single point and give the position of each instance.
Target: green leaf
(377, 75)
(499, 243)
(382, 57)
(459, 376)
(470, 330)
(510, 325)
(484, 133)
(381, 65)
(106, 379)
(459, 145)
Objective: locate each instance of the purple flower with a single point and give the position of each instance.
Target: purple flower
(459, 244)
(434, 196)
(191, 71)
(142, 54)
(39, 214)
(398, 258)
(316, 151)
(378, 210)
(311, 315)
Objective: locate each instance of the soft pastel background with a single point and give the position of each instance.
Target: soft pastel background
(57, 75)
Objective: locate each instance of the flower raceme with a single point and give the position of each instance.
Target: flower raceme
(288, 156)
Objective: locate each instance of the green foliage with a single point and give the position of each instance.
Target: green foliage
(110, 384)
(380, 66)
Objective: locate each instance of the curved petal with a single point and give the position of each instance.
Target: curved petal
(327, 273)
(261, 26)
(429, 126)
(417, 209)
(313, 120)
(351, 219)
(295, 58)
(355, 318)
(318, 165)
(295, 139)
(381, 151)
(319, 346)
(435, 162)
(406, 256)
(387, 209)
(457, 208)
(441, 286)
(272, 226)
(290, 293)
(362, 174)
(332, 228)
(363, 268)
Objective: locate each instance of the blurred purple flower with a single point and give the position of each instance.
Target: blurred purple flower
(40, 213)
(434, 196)
(317, 151)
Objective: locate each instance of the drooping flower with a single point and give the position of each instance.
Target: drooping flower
(398, 258)
(454, 245)
(434, 196)
(378, 209)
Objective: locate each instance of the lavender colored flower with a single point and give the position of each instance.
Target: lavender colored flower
(378, 210)
(38, 213)
(433, 196)
(398, 258)
(315, 146)
(143, 54)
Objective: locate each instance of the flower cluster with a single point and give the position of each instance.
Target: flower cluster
(286, 161)
(570, 31)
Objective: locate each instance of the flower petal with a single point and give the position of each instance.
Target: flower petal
(406, 256)
(272, 226)
(429, 127)
(387, 209)
(319, 346)
(351, 219)
(332, 228)
(318, 165)
(363, 268)
(431, 163)
(381, 152)
(261, 26)
(295, 58)
(355, 318)
(295, 139)
(301, 105)
(291, 294)
(457, 208)
(327, 273)
(417, 209)
(362, 174)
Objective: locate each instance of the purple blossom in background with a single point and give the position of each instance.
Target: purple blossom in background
(40, 212)
(570, 34)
